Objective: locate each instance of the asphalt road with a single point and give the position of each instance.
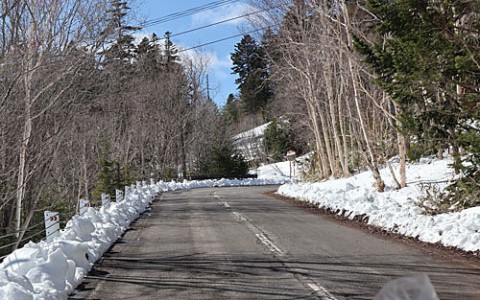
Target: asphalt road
(238, 243)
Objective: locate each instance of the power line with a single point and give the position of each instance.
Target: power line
(218, 23)
(224, 39)
(188, 12)
(195, 10)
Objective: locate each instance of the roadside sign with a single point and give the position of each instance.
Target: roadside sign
(291, 155)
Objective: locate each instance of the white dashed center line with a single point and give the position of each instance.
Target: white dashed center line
(319, 291)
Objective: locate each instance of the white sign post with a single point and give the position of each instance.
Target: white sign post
(291, 156)
(83, 206)
(105, 200)
(52, 225)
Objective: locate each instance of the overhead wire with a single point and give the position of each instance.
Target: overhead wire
(209, 6)
(187, 12)
(224, 39)
(217, 23)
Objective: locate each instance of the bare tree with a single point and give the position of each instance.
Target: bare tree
(38, 38)
(312, 53)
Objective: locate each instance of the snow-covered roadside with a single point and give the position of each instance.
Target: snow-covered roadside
(396, 210)
(51, 271)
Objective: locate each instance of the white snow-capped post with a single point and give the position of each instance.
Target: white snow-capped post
(52, 224)
(291, 156)
(118, 195)
(105, 200)
(83, 206)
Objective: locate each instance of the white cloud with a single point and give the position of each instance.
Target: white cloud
(220, 66)
(223, 13)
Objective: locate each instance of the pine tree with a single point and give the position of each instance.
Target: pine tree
(105, 184)
(426, 58)
(415, 61)
(224, 162)
(231, 110)
(250, 64)
(170, 52)
(148, 55)
(111, 175)
(122, 49)
(276, 140)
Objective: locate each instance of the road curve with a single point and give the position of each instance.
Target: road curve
(239, 243)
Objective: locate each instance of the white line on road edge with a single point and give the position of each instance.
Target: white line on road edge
(270, 245)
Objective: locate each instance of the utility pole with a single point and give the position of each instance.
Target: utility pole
(208, 89)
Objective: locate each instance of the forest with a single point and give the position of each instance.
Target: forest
(85, 109)
(373, 82)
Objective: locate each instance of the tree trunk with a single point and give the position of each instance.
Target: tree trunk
(354, 76)
(402, 153)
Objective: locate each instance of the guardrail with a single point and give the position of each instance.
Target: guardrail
(9, 242)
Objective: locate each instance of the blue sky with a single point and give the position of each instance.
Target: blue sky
(220, 78)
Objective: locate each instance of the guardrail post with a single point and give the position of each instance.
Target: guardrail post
(118, 195)
(52, 224)
(83, 206)
(105, 200)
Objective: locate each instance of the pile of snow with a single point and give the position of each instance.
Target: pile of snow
(279, 170)
(284, 169)
(254, 132)
(250, 143)
(396, 210)
(51, 271)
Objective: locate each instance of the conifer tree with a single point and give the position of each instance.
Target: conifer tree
(148, 55)
(426, 58)
(276, 140)
(231, 110)
(122, 49)
(171, 51)
(250, 64)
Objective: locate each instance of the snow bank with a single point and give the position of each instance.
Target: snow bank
(51, 271)
(396, 210)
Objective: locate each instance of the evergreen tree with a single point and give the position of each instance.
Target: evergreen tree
(426, 58)
(418, 57)
(105, 172)
(171, 52)
(224, 162)
(276, 140)
(251, 66)
(149, 55)
(231, 110)
(111, 175)
(122, 49)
